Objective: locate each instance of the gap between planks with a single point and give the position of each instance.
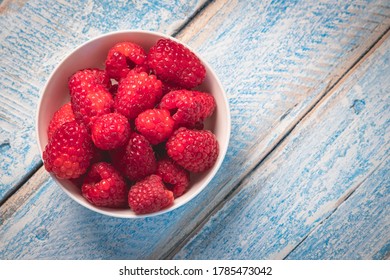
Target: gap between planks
(25, 180)
(191, 18)
(339, 203)
(22, 194)
(330, 89)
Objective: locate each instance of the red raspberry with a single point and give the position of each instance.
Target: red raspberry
(188, 107)
(174, 63)
(61, 116)
(110, 131)
(176, 178)
(149, 195)
(194, 150)
(69, 152)
(142, 68)
(102, 77)
(207, 102)
(155, 124)
(104, 186)
(167, 87)
(122, 58)
(91, 103)
(136, 160)
(89, 94)
(98, 156)
(83, 79)
(136, 93)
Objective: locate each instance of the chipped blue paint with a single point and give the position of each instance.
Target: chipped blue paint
(42, 234)
(35, 36)
(359, 228)
(358, 106)
(4, 147)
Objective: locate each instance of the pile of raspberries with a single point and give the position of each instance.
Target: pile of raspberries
(133, 132)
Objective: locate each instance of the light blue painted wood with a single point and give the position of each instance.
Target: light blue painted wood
(35, 36)
(275, 63)
(332, 152)
(359, 228)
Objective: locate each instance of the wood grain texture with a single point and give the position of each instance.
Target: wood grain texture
(305, 185)
(35, 36)
(359, 228)
(22, 194)
(276, 62)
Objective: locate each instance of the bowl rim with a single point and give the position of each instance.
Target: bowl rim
(222, 153)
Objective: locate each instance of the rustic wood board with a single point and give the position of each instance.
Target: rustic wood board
(305, 185)
(34, 38)
(359, 228)
(275, 63)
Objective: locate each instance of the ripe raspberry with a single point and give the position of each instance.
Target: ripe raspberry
(91, 103)
(102, 77)
(194, 150)
(207, 102)
(136, 160)
(155, 124)
(174, 63)
(83, 79)
(175, 178)
(136, 93)
(188, 108)
(122, 58)
(167, 87)
(110, 131)
(104, 186)
(69, 152)
(142, 68)
(149, 195)
(63, 115)
(97, 156)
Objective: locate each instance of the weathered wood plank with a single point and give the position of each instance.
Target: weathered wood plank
(276, 62)
(333, 152)
(23, 194)
(34, 37)
(359, 228)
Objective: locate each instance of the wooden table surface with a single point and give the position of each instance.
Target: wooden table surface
(307, 172)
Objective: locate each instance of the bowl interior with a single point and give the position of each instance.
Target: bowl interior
(93, 54)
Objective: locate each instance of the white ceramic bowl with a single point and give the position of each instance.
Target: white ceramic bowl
(93, 54)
